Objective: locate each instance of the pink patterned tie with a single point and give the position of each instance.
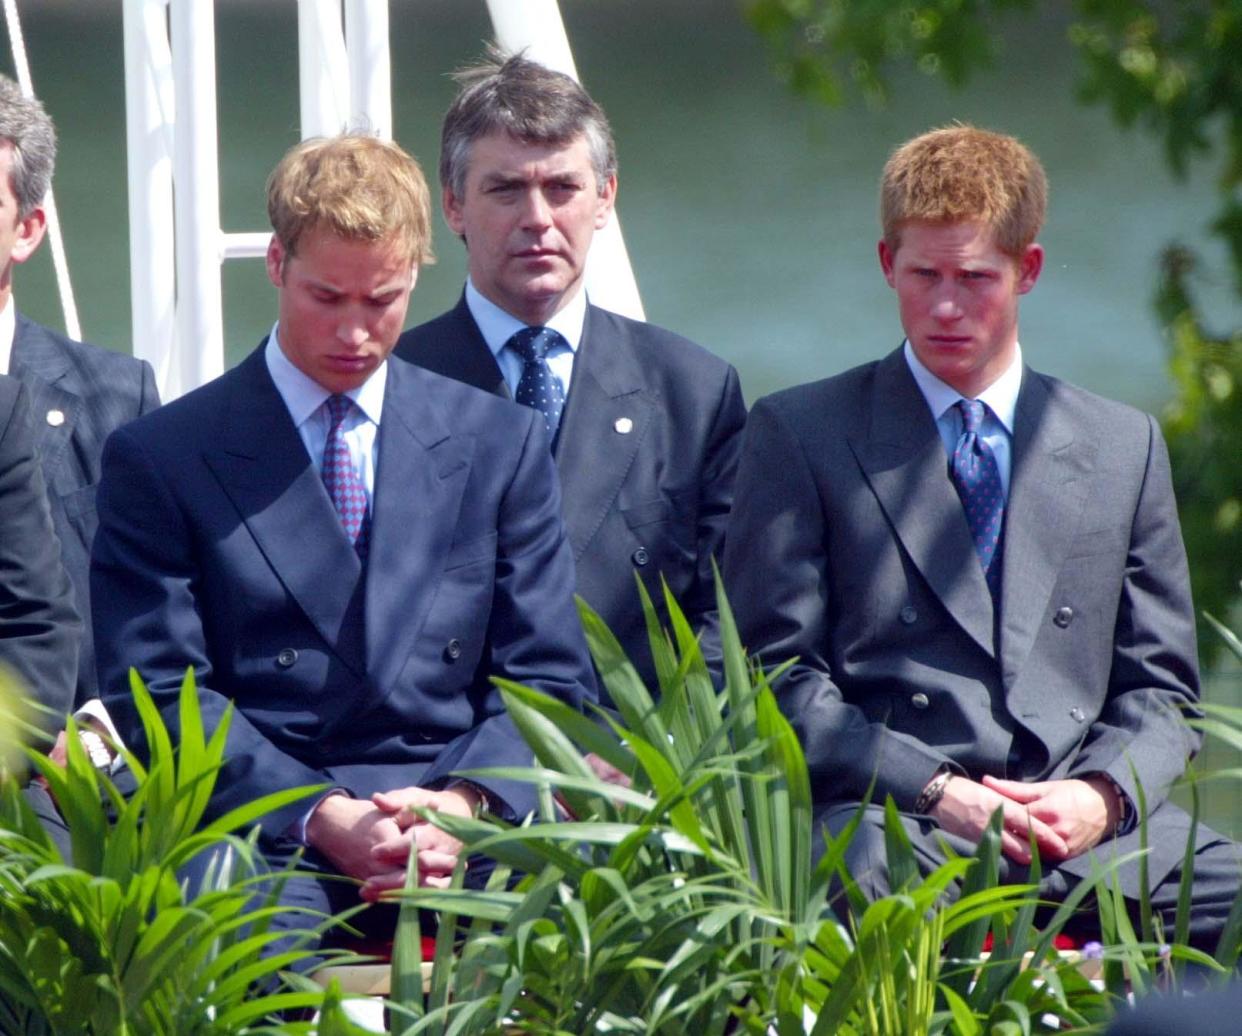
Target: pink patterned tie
(978, 483)
(341, 479)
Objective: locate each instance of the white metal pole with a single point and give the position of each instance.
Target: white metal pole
(370, 66)
(323, 68)
(200, 323)
(535, 26)
(148, 129)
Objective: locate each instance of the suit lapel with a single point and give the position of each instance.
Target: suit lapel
(467, 356)
(40, 365)
(264, 470)
(1047, 491)
(593, 454)
(904, 460)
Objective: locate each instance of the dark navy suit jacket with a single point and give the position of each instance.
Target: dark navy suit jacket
(652, 500)
(79, 394)
(219, 548)
(38, 626)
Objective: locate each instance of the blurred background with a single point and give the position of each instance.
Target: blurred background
(749, 211)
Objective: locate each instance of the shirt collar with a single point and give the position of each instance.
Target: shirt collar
(497, 326)
(8, 331)
(1001, 396)
(303, 395)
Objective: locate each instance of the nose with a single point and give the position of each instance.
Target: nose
(536, 212)
(945, 305)
(352, 329)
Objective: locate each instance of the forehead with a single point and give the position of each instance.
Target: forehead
(327, 256)
(501, 154)
(963, 240)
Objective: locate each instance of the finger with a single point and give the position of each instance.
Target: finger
(1016, 791)
(1021, 825)
(379, 885)
(434, 881)
(432, 862)
(1015, 847)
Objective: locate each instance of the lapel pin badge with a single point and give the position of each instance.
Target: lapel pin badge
(623, 425)
(55, 418)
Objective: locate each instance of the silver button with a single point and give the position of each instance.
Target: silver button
(1077, 715)
(640, 557)
(1063, 617)
(55, 418)
(623, 425)
(909, 615)
(452, 650)
(919, 700)
(286, 658)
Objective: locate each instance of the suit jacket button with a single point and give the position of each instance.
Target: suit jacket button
(909, 615)
(452, 650)
(640, 556)
(1077, 715)
(286, 658)
(919, 700)
(1064, 616)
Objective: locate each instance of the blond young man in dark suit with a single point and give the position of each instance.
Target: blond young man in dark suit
(343, 546)
(1037, 657)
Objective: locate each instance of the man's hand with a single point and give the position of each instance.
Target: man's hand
(967, 806)
(437, 851)
(346, 831)
(1080, 812)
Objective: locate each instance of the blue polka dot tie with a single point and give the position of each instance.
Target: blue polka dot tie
(538, 386)
(978, 483)
(341, 478)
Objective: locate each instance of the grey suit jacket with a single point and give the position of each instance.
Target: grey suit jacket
(79, 395)
(849, 549)
(646, 454)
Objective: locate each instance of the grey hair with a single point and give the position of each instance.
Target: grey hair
(28, 128)
(531, 103)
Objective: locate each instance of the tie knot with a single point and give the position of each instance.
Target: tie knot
(533, 343)
(338, 408)
(972, 412)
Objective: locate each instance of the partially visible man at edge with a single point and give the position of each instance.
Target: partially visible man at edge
(645, 425)
(979, 567)
(79, 393)
(343, 546)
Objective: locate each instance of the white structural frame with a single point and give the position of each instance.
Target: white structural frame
(177, 244)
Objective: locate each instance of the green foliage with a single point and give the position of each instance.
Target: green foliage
(686, 901)
(1169, 69)
(112, 941)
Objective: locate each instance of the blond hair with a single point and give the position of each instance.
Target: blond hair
(964, 174)
(357, 186)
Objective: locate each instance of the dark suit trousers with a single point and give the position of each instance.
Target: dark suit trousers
(1217, 869)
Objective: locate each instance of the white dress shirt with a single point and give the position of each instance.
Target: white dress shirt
(8, 331)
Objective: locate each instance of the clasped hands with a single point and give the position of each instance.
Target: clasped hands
(1066, 817)
(371, 839)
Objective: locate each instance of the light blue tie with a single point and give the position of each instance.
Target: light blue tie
(978, 483)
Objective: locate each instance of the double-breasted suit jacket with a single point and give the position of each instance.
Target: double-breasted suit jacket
(79, 395)
(219, 548)
(646, 454)
(849, 549)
